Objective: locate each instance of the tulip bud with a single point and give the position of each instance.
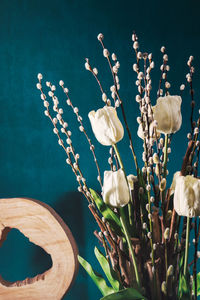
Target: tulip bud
(115, 188)
(106, 126)
(187, 196)
(167, 112)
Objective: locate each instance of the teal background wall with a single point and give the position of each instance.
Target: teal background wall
(54, 37)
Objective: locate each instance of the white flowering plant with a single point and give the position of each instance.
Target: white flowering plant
(145, 224)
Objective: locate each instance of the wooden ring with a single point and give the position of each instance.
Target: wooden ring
(43, 227)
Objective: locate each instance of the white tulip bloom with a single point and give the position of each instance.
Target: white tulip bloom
(167, 112)
(106, 125)
(187, 196)
(115, 188)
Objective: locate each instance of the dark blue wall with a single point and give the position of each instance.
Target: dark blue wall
(54, 37)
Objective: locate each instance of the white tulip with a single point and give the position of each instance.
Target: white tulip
(187, 196)
(167, 113)
(106, 125)
(115, 188)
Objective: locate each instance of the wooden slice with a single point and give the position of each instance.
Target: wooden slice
(43, 227)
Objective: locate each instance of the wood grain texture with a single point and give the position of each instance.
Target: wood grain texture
(43, 227)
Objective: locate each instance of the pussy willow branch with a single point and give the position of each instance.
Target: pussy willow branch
(122, 109)
(197, 163)
(192, 98)
(95, 76)
(86, 135)
(147, 151)
(140, 90)
(165, 164)
(102, 226)
(128, 238)
(163, 75)
(101, 237)
(150, 226)
(147, 92)
(64, 131)
(87, 196)
(195, 174)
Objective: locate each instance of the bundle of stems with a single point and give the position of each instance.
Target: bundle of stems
(144, 241)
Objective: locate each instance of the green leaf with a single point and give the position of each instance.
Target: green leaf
(97, 278)
(127, 294)
(107, 213)
(184, 291)
(181, 261)
(109, 272)
(198, 284)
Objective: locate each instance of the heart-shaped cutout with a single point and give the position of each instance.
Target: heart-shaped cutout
(43, 227)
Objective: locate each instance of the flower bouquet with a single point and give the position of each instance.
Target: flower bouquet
(144, 223)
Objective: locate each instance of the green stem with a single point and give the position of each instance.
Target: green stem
(128, 239)
(165, 171)
(195, 261)
(165, 156)
(186, 246)
(119, 157)
(166, 263)
(122, 167)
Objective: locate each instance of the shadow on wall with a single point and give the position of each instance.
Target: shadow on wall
(70, 207)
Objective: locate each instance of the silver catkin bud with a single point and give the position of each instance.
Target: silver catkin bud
(166, 233)
(164, 287)
(170, 271)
